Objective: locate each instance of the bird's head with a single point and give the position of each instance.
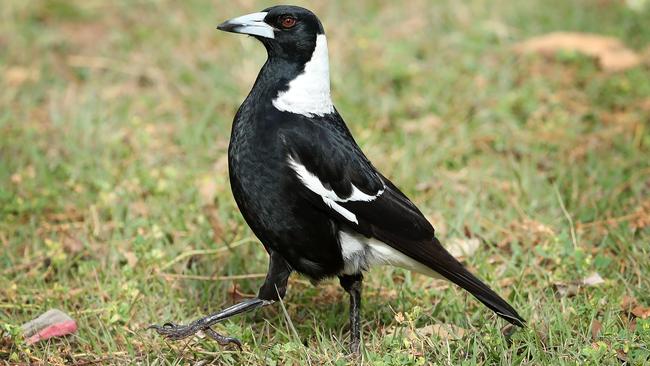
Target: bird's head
(286, 31)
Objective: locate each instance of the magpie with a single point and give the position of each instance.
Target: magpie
(308, 192)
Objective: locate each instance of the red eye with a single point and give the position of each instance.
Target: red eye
(287, 22)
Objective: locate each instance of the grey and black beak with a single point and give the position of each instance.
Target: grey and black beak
(252, 24)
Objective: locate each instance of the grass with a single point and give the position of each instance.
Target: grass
(115, 204)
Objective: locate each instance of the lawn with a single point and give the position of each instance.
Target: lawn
(115, 204)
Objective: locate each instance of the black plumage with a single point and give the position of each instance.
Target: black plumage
(306, 189)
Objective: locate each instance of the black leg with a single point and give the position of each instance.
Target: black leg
(274, 288)
(353, 284)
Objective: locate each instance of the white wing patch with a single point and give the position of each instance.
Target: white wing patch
(309, 92)
(361, 253)
(330, 197)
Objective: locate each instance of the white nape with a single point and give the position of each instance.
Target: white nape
(309, 92)
(361, 253)
(330, 197)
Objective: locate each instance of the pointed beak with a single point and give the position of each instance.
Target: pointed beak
(252, 24)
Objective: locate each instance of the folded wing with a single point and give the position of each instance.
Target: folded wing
(335, 176)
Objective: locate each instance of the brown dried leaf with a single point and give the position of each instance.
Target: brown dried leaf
(641, 216)
(628, 302)
(596, 327)
(611, 53)
(399, 318)
(631, 325)
(641, 311)
(72, 244)
(622, 356)
(131, 258)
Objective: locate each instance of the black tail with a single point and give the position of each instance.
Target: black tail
(442, 262)
(450, 268)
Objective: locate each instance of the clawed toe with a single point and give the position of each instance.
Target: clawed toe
(221, 339)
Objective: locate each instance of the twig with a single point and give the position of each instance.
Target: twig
(190, 253)
(212, 278)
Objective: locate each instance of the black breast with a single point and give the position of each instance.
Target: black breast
(264, 187)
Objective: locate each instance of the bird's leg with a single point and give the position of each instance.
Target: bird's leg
(274, 288)
(352, 284)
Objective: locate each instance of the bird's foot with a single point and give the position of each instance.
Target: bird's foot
(177, 332)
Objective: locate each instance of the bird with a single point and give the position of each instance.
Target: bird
(308, 192)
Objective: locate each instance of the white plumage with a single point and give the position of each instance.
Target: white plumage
(330, 197)
(361, 253)
(309, 92)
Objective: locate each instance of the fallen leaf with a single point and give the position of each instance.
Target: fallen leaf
(596, 327)
(641, 216)
(610, 52)
(641, 312)
(399, 318)
(622, 356)
(570, 289)
(442, 331)
(593, 280)
(52, 323)
(628, 302)
(565, 289)
(72, 244)
(131, 258)
(463, 247)
(631, 325)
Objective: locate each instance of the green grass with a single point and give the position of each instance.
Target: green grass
(114, 125)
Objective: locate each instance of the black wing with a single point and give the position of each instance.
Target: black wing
(338, 178)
